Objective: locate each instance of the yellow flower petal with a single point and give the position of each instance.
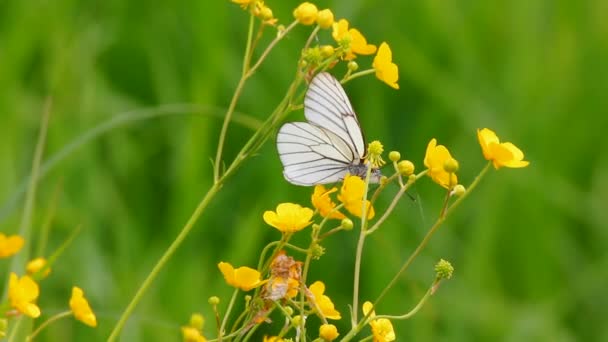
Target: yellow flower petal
(351, 195)
(320, 199)
(244, 278)
(306, 13)
(289, 217)
(435, 159)
(382, 328)
(501, 154)
(322, 302)
(351, 40)
(10, 245)
(36, 265)
(328, 332)
(386, 70)
(22, 293)
(81, 309)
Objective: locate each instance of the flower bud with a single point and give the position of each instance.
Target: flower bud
(327, 51)
(383, 179)
(288, 310)
(214, 300)
(450, 165)
(328, 332)
(405, 167)
(197, 321)
(317, 251)
(458, 190)
(347, 224)
(266, 13)
(3, 327)
(37, 265)
(325, 18)
(444, 269)
(306, 13)
(394, 156)
(296, 320)
(353, 66)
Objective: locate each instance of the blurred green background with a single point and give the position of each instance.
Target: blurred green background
(529, 247)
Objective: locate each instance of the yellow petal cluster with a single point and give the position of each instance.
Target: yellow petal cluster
(10, 245)
(244, 278)
(353, 41)
(36, 265)
(22, 293)
(289, 217)
(81, 309)
(322, 302)
(322, 202)
(382, 328)
(386, 70)
(325, 18)
(435, 159)
(501, 154)
(306, 13)
(328, 332)
(351, 195)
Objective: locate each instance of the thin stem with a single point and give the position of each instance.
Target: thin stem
(164, 259)
(47, 322)
(393, 204)
(430, 233)
(248, 47)
(270, 47)
(227, 314)
(418, 306)
(359, 253)
(357, 75)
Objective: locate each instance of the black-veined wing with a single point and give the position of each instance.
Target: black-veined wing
(326, 105)
(312, 155)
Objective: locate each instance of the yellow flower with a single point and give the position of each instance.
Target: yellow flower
(191, 334)
(244, 3)
(382, 328)
(273, 339)
(37, 265)
(386, 70)
(306, 13)
(244, 278)
(328, 332)
(81, 309)
(501, 154)
(325, 18)
(22, 293)
(351, 194)
(10, 245)
(353, 41)
(434, 160)
(322, 302)
(289, 217)
(324, 204)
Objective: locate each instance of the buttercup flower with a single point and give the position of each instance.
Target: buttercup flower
(244, 3)
(36, 265)
(10, 245)
(322, 302)
(382, 328)
(289, 217)
(435, 159)
(386, 70)
(244, 278)
(328, 332)
(351, 194)
(81, 309)
(353, 41)
(306, 13)
(321, 200)
(22, 293)
(501, 154)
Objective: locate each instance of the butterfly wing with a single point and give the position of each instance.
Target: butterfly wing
(312, 155)
(326, 105)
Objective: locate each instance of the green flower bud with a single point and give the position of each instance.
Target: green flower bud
(347, 224)
(353, 66)
(450, 165)
(197, 321)
(444, 269)
(458, 190)
(214, 300)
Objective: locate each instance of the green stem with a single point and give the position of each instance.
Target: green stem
(357, 75)
(418, 306)
(359, 253)
(228, 310)
(164, 259)
(47, 322)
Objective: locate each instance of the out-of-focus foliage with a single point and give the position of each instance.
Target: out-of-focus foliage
(529, 247)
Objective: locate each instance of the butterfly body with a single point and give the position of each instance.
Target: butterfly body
(328, 146)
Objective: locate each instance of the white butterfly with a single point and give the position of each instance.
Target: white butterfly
(328, 146)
